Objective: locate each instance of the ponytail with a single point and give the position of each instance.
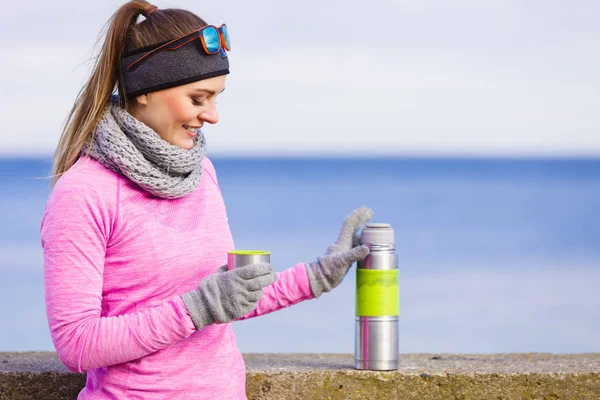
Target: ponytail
(94, 97)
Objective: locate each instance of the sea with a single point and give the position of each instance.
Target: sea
(495, 254)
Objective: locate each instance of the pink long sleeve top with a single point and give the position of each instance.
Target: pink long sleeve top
(116, 262)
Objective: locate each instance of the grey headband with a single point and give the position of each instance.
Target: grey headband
(165, 69)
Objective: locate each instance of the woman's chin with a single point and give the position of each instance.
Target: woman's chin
(185, 144)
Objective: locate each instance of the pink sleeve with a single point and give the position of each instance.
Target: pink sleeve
(75, 229)
(291, 287)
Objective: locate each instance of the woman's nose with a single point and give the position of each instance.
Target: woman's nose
(210, 115)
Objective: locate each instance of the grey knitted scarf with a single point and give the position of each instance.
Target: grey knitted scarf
(131, 148)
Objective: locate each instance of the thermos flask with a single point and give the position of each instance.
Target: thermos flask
(239, 258)
(376, 333)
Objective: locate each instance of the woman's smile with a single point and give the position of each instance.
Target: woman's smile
(191, 131)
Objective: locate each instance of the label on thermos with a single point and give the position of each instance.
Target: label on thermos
(376, 293)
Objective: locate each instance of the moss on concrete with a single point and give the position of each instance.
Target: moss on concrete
(40, 385)
(373, 386)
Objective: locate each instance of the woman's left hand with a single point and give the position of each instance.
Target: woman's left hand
(328, 271)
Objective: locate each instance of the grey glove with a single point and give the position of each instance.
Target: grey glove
(328, 271)
(227, 295)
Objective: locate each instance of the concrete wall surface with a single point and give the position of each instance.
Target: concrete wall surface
(40, 375)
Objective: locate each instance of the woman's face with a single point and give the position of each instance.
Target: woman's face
(176, 113)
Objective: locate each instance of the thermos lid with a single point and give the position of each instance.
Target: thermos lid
(377, 233)
(239, 258)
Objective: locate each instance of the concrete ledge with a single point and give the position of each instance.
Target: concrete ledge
(331, 376)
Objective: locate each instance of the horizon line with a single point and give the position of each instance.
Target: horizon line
(344, 157)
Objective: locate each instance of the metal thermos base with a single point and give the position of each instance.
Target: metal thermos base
(376, 343)
(376, 365)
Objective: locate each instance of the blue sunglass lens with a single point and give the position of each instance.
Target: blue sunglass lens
(211, 39)
(225, 33)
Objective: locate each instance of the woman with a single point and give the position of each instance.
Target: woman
(135, 232)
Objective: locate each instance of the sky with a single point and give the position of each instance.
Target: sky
(343, 78)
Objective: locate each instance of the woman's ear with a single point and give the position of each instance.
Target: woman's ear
(142, 99)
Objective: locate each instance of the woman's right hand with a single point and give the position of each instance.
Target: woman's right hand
(228, 295)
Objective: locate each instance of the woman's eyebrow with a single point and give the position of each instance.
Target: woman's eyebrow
(211, 92)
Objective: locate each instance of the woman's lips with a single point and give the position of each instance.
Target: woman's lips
(190, 133)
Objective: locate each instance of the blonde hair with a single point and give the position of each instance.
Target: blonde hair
(123, 34)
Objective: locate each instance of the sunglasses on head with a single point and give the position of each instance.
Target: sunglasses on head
(211, 38)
